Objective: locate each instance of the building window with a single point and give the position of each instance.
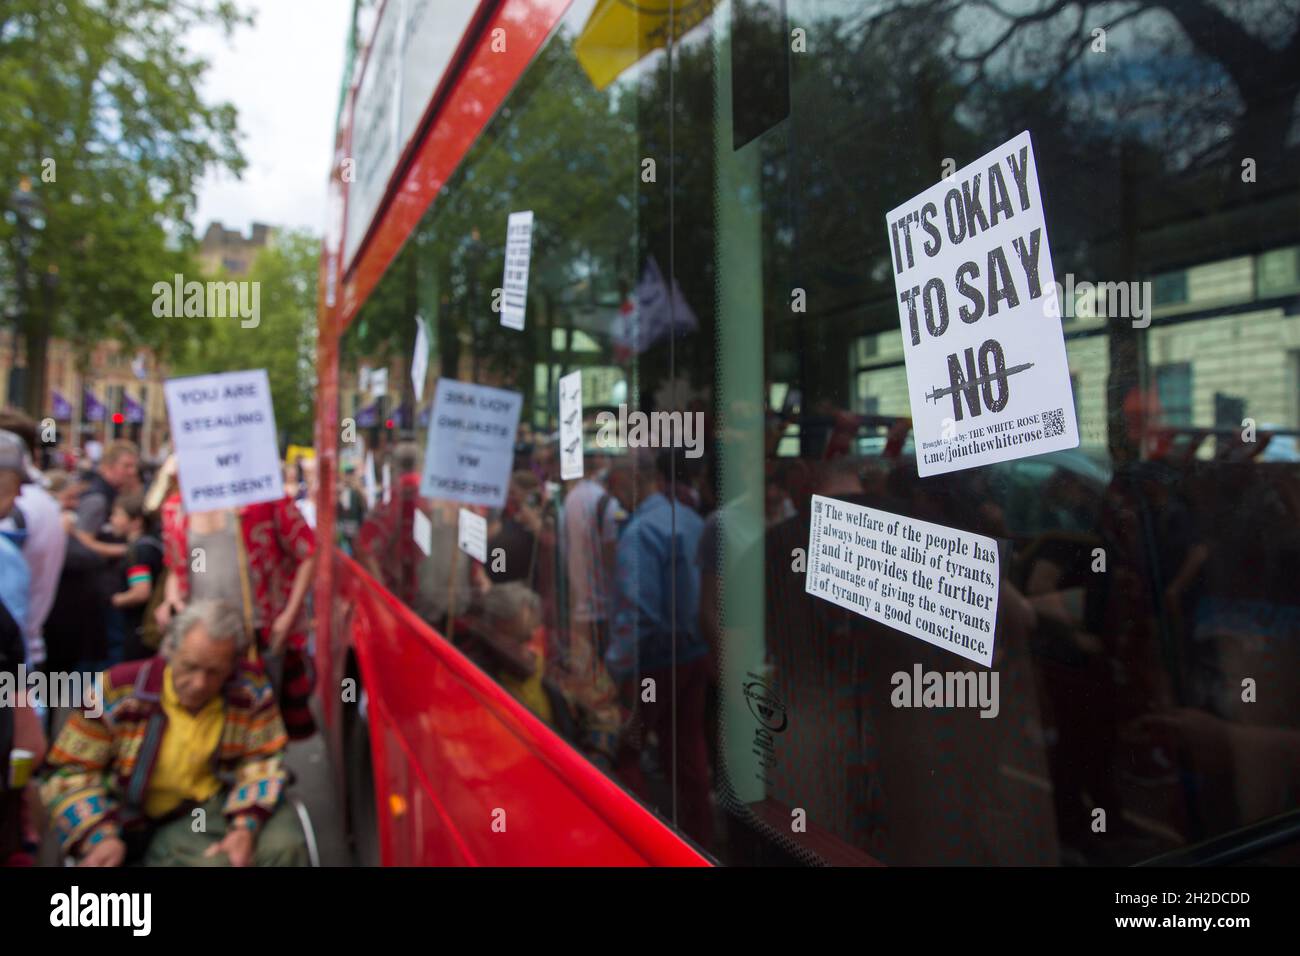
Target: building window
(1174, 388)
(1170, 289)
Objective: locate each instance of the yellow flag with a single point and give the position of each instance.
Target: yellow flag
(619, 33)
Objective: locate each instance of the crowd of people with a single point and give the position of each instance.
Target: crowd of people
(177, 620)
(600, 608)
(591, 588)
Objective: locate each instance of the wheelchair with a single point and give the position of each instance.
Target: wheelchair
(299, 807)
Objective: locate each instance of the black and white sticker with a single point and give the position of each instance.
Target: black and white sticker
(936, 583)
(987, 373)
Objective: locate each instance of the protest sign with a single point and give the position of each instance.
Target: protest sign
(420, 358)
(571, 426)
(936, 583)
(471, 444)
(422, 532)
(987, 373)
(223, 430)
(472, 535)
(514, 284)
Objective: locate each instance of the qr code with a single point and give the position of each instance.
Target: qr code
(1054, 423)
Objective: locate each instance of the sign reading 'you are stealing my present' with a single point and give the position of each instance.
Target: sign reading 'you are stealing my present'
(223, 430)
(987, 373)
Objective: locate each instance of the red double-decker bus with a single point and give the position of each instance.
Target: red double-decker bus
(594, 644)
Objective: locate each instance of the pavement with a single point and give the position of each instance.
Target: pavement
(315, 787)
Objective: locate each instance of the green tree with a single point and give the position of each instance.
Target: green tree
(101, 118)
(283, 341)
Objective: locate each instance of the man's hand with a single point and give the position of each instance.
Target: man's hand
(164, 611)
(109, 851)
(238, 845)
(280, 629)
(530, 518)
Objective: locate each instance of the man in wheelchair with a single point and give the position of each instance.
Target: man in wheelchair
(184, 767)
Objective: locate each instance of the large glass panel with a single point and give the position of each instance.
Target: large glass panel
(572, 616)
(710, 183)
(1149, 619)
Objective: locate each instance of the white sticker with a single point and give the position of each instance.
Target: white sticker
(939, 584)
(422, 531)
(514, 284)
(387, 482)
(471, 446)
(368, 480)
(223, 429)
(571, 426)
(420, 359)
(472, 535)
(987, 373)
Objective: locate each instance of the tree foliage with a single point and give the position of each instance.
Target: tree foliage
(100, 111)
(283, 342)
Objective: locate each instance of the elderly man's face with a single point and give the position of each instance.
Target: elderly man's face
(200, 666)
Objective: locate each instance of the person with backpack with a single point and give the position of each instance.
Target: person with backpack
(22, 739)
(45, 545)
(140, 572)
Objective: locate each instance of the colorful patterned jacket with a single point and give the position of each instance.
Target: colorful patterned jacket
(97, 772)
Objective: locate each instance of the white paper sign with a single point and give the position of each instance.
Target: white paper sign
(932, 582)
(987, 373)
(422, 531)
(420, 360)
(571, 426)
(471, 445)
(472, 535)
(223, 430)
(514, 284)
(368, 481)
(379, 382)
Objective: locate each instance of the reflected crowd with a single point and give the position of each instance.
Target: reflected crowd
(1143, 663)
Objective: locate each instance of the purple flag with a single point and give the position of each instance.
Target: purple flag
(132, 410)
(93, 406)
(652, 312)
(368, 417)
(62, 407)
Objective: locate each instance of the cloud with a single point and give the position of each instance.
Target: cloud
(283, 76)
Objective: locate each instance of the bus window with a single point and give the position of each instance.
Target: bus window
(709, 186)
(1146, 633)
(556, 612)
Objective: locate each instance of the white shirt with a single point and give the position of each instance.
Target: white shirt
(44, 550)
(307, 507)
(585, 543)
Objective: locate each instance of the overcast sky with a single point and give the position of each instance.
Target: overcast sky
(283, 76)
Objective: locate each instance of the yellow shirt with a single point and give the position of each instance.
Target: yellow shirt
(183, 770)
(530, 692)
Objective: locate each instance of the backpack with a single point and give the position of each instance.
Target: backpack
(14, 583)
(15, 576)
